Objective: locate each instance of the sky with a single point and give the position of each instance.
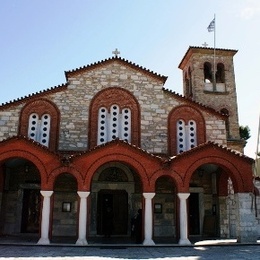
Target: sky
(42, 39)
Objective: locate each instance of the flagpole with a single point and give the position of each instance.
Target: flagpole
(214, 56)
(257, 145)
(257, 163)
(212, 28)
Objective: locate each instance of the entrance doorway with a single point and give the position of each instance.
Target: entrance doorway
(112, 212)
(194, 214)
(30, 211)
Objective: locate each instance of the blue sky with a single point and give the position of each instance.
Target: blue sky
(42, 39)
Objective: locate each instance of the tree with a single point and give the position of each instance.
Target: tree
(244, 132)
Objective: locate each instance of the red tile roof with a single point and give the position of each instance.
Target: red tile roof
(118, 59)
(33, 95)
(213, 145)
(194, 49)
(194, 103)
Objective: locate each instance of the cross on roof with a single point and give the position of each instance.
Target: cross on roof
(116, 52)
(204, 44)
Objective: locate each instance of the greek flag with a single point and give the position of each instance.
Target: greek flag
(211, 26)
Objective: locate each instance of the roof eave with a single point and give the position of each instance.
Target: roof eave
(196, 49)
(91, 66)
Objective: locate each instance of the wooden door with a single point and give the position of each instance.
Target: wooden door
(194, 214)
(31, 211)
(117, 201)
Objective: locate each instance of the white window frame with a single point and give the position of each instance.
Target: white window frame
(39, 128)
(186, 135)
(113, 124)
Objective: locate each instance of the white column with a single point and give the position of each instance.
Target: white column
(148, 219)
(82, 218)
(183, 219)
(45, 222)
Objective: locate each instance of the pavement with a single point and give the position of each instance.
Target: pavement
(199, 250)
(230, 252)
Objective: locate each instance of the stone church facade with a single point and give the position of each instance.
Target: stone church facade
(113, 137)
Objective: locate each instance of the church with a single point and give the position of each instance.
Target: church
(79, 160)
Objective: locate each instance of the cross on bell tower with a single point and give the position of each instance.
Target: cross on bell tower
(116, 52)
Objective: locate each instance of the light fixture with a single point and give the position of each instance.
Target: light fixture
(26, 168)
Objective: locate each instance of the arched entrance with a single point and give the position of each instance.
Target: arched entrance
(203, 201)
(116, 196)
(20, 200)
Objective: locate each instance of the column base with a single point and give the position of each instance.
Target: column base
(184, 242)
(43, 241)
(148, 242)
(82, 242)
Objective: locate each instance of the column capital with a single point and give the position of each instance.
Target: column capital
(183, 195)
(83, 194)
(46, 193)
(148, 195)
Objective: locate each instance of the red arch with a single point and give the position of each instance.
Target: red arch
(117, 151)
(42, 158)
(66, 169)
(240, 184)
(132, 162)
(177, 180)
(27, 155)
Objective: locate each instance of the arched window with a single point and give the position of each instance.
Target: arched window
(186, 135)
(187, 129)
(114, 113)
(40, 120)
(220, 74)
(39, 128)
(114, 124)
(207, 72)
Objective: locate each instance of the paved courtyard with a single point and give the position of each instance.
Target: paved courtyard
(230, 252)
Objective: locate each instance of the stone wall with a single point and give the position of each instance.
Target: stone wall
(74, 102)
(8, 215)
(65, 223)
(246, 221)
(9, 122)
(164, 222)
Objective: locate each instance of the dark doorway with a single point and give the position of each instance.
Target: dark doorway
(31, 211)
(194, 214)
(115, 201)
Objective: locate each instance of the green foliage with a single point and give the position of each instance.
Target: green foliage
(244, 132)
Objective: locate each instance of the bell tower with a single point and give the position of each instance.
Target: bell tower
(209, 78)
